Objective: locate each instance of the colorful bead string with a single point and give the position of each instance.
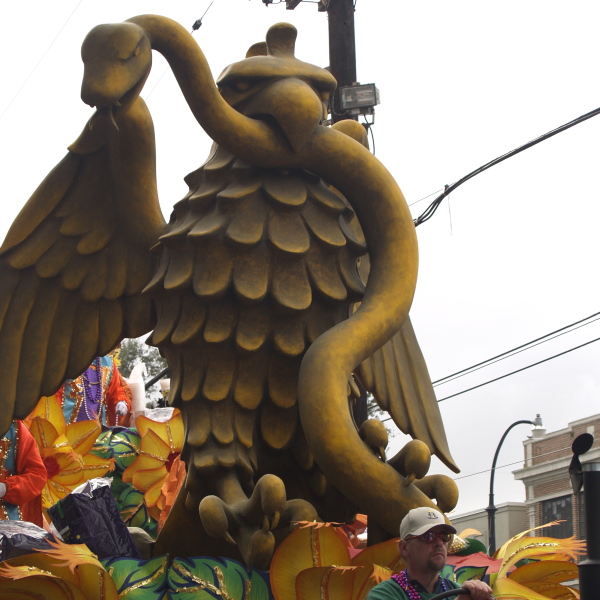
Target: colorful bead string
(402, 580)
(92, 390)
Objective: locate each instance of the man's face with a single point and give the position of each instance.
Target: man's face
(422, 556)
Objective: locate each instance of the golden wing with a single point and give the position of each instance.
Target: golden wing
(398, 378)
(76, 259)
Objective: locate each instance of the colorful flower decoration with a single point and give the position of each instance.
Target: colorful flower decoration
(542, 579)
(160, 444)
(312, 545)
(80, 576)
(65, 450)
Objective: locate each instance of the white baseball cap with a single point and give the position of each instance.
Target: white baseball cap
(420, 520)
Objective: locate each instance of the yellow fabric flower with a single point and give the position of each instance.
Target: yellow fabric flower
(65, 450)
(80, 575)
(160, 444)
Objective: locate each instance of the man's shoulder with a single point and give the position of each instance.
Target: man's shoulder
(387, 590)
(390, 590)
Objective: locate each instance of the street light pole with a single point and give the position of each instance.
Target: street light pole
(491, 509)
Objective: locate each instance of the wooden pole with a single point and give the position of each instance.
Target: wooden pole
(342, 50)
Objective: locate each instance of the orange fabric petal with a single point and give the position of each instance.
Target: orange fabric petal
(70, 469)
(505, 588)
(40, 586)
(44, 433)
(171, 432)
(170, 489)
(385, 554)
(325, 582)
(49, 409)
(153, 492)
(54, 491)
(142, 480)
(96, 466)
(141, 463)
(154, 446)
(82, 435)
(304, 548)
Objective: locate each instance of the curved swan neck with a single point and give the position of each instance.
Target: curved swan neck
(222, 123)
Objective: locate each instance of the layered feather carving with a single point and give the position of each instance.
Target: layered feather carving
(255, 265)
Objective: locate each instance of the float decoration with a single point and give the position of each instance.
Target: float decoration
(249, 291)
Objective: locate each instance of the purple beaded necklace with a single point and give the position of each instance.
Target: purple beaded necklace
(402, 580)
(92, 390)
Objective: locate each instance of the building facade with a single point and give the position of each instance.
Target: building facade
(511, 519)
(548, 492)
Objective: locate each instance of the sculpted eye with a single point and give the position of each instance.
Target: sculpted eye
(125, 57)
(242, 85)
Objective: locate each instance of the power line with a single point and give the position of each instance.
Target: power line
(425, 197)
(517, 350)
(197, 24)
(39, 61)
(510, 464)
(518, 370)
(430, 210)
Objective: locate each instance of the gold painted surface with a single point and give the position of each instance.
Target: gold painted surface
(253, 290)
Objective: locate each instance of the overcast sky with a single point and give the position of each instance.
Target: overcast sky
(512, 256)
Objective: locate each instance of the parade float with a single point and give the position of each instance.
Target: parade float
(278, 292)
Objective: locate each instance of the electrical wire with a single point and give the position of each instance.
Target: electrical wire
(425, 197)
(197, 24)
(430, 210)
(372, 138)
(519, 370)
(510, 464)
(517, 350)
(40, 60)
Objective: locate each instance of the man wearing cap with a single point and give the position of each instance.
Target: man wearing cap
(424, 540)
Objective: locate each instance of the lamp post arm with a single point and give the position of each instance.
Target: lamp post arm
(491, 509)
(523, 422)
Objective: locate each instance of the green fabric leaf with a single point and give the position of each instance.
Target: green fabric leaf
(138, 579)
(463, 574)
(101, 446)
(117, 487)
(120, 444)
(209, 578)
(448, 572)
(134, 511)
(125, 445)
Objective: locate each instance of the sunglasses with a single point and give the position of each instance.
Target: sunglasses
(430, 536)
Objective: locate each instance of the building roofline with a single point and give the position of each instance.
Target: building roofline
(482, 510)
(569, 427)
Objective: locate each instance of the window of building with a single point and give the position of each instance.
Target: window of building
(555, 510)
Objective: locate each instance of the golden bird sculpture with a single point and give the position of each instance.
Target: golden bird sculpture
(252, 291)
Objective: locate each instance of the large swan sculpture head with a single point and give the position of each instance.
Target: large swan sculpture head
(117, 60)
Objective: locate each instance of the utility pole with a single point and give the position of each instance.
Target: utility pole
(342, 51)
(342, 48)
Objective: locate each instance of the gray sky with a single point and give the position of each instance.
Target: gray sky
(512, 255)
